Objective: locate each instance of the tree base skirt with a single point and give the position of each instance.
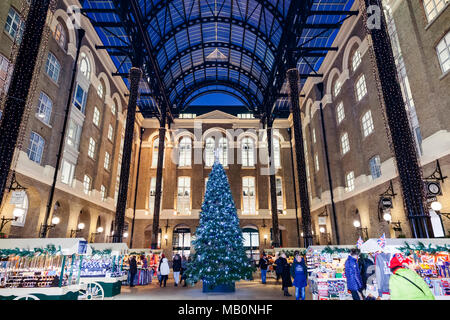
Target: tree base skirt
(219, 288)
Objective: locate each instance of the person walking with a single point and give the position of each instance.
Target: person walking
(164, 270)
(406, 284)
(354, 281)
(300, 274)
(278, 266)
(262, 264)
(183, 270)
(286, 281)
(176, 266)
(133, 269)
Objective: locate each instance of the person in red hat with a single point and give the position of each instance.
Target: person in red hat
(406, 284)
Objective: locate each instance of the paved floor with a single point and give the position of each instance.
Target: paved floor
(245, 290)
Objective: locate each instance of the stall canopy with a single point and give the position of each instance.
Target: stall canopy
(392, 245)
(117, 249)
(67, 246)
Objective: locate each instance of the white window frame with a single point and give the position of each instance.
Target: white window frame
(155, 153)
(110, 132)
(248, 152)
(248, 196)
(96, 116)
(107, 161)
(223, 151)
(360, 87)
(60, 35)
(67, 172)
(277, 152)
(6, 71)
(103, 192)
(85, 66)
(80, 104)
(53, 67)
(184, 196)
(356, 59)
(345, 143)
(209, 151)
(367, 123)
(74, 134)
(279, 193)
(433, 8)
(185, 152)
(87, 182)
(337, 87)
(316, 162)
(314, 135)
(340, 112)
(45, 105)
(350, 181)
(443, 53)
(91, 148)
(100, 90)
(375, 167)
(36, 147)
(152, 195)
(14, 25)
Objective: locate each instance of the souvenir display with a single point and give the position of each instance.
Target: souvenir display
(147, 265)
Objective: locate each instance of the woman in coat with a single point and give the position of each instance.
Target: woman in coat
(285, 274)
(164, 270)
(176, 266)
(300, 274)
(354, 281)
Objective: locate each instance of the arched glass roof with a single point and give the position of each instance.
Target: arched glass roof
(187, 47)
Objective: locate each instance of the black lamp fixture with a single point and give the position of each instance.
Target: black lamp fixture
(93, 234)
(357, 224)
(46, 227)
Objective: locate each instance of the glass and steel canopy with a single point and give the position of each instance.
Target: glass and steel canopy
(186, 47)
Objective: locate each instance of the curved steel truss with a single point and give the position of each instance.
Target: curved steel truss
(187, 46)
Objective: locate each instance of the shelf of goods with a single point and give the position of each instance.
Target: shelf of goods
(272, 255)
(326, 272)
(41, 269)
(430, 258)
(147, 263)
(102, 270)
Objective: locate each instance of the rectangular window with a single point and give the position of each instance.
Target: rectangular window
(87, 184)
(91, 150)
(184, 195)
(340, 112)
(6, 70)
(277, 152)
(103, 192)
(248, 152)
(434, 7)
(73, 134)
(110, 133)
(314, 135)
(443, 52)
(248, 195)
(36, 147)
(52, 67)
(185, 149)
(209, 152)
(375, 167)
(67, 172)
(96, 118)
(107, 160)
(350, 182)
(44, 110)
(367, 123)
(345, 144)
(316, 162)
(79, 99)
(279, 189)
(361, 88)
(151, 203)
(14, 25)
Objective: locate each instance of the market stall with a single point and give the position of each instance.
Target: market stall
(326, 272)
(430, 258)
(41, 269)
(102, 270)
(147, 263)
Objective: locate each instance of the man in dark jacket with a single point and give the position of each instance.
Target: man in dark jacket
(263, 262)
(278, 268)
(354, 281)
(366, 268)
(133, 269)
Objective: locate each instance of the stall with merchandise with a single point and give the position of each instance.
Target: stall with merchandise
(147, 264)
(41, 269)
(326, 272)
(102, 270)
(430, 258)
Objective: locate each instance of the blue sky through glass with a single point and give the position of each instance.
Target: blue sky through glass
(216, 99)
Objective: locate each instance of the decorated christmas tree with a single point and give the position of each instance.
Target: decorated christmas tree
(219, 259)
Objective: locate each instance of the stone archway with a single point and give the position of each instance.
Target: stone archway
(84, 217)
(61, 209)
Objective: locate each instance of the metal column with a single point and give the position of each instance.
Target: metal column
(159, 172)
(397, 118)
(135, 77)
(293, 79)
(16, 99)
(272, 182)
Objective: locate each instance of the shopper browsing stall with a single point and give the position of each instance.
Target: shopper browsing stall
(406, 284)
(263, 263)
(354, 281)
